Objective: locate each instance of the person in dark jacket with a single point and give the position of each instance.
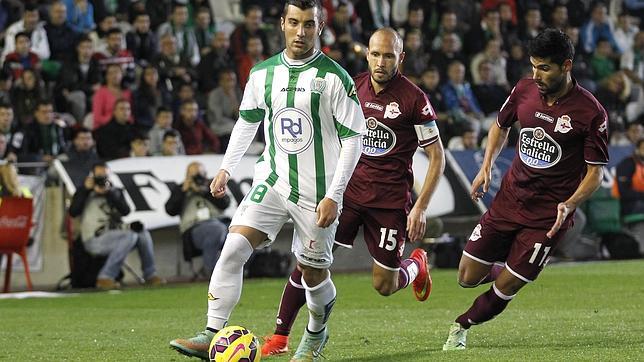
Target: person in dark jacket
(629, 180)
(200, 225)
(113, 139)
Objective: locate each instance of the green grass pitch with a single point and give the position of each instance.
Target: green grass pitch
(590, 311)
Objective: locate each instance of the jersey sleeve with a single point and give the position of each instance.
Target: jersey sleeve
(596, 141)
(249, 109)
(347, 113)
(424, 119)
(508, 112)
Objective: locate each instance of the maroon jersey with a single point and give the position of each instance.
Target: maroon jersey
(383, 177)
(555, 144)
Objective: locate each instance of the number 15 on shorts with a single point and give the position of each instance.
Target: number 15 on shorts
(388, 239)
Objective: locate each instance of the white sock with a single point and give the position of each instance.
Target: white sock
(412, 272)
(320, 300)
(226, 280)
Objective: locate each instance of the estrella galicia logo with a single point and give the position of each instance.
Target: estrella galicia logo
(537, 149)
(378, 140)
(292, 130)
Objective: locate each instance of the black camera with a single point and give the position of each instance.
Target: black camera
(136, 226)
(200, 179)
(100, 181)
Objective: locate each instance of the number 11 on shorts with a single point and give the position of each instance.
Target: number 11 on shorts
(388, 235)
(537, 248)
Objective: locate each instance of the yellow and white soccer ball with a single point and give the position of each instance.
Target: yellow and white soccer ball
(234, 344)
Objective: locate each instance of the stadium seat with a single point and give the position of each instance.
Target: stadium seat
(15, 224)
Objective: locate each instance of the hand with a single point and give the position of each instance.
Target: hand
(327, 212)
(187, 185)
(89, 182)
(416, 222)
(482, 178)
(218, 184)
(563, 211)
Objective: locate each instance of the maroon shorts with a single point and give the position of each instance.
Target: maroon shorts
(384, 232)
(525, 251)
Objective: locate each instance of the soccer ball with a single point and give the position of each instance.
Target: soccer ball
(235, 344)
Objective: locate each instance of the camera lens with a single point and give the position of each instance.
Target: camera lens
(100, 180)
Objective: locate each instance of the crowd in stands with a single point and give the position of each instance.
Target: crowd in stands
(135, 71)
(88, 81)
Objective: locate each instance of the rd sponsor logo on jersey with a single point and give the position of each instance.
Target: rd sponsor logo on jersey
(564, 125)
(292, 130)
(378, 140)
(537, 149)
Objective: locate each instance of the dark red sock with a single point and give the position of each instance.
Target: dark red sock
(293, 298)
(487, 306)
(494, 273)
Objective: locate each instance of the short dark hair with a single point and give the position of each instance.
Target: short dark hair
(303, 4)
(77, 131)
(554, 44)
(43, 102)
(99, 164)
(170, 133)
(114, 30)
(139, 135)
(163, 109)
(22, 33)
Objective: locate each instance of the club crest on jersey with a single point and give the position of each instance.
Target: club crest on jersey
(537, 149)
(603, 127)
(318, 85)
(476, 233)
(378, 140)
(544, 117)
(392, 111)
(563, 124)
(292, 130)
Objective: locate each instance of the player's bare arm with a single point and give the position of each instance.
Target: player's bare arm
(218, 184)
(588, 185)
(496, 139)
(416, 220)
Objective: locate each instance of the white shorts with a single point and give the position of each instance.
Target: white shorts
(266, 210)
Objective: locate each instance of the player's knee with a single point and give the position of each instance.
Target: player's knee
(467, 281)
(313, 276)
(384, 287)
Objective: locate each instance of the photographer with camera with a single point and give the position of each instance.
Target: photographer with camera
(200, 225)
(101, 208)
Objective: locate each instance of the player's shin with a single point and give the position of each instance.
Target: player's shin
(293, 298)
(320, 300)
(487, 306)
(226, 280)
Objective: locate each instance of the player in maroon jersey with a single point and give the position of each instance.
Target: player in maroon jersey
(378, 197)
(561, 152)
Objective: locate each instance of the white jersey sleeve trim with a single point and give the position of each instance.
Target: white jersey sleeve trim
(349, 156)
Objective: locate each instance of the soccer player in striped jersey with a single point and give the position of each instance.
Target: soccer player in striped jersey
(313, 123)
(399, 120)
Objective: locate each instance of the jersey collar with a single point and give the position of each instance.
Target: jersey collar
(298, 63)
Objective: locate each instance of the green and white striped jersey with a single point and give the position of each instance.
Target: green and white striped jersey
(308, 107)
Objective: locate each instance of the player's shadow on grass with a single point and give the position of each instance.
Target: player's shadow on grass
(418, 355)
